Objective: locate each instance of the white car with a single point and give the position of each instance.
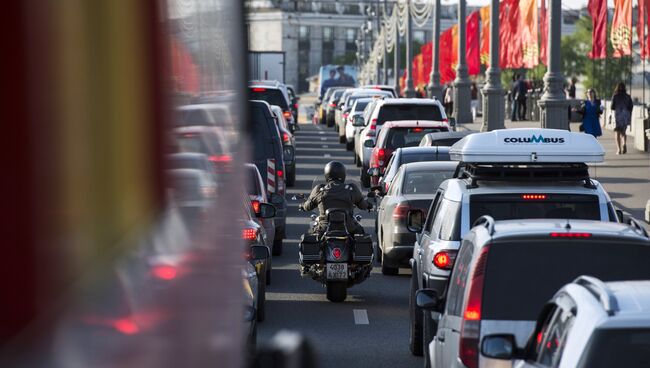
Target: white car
(350, 128)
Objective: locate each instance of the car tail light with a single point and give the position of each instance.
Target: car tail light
(220, 158)
(249, 233)
(372, 130)
(533, 197)
(295, 105)
(570, 235)
(444, 260)
(189, 135)
(345, 115)
(285, 137)
(417, 130)
(336, 252)
(126, 326)
(400, 211)
(209, 191)
(165, 272)
(279, 173)
(445, 120)
(332, 104)
(471, 326)
(256, 205)
(259, 89)
(287, 114)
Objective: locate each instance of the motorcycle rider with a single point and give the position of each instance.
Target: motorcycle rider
(336, 194)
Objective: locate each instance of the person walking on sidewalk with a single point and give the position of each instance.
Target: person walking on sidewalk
(520, 96)
(622, 107)
(513, 97)
(449, 100)
(591, 110)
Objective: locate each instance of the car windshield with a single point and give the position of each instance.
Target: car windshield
(620, 347)
(272, 96)
(534, 270)
(408, 137)
(526, 206)
(408, 112)
(424, 182)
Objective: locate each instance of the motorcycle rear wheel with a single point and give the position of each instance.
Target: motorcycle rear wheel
(337, 291)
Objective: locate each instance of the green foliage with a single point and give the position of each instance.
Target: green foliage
(349, 58)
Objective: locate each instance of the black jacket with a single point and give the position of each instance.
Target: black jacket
(336, 195)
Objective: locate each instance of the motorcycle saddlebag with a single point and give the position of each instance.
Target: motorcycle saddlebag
(309, 250)
(362, 248)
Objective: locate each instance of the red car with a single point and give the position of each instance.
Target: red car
(398, 134)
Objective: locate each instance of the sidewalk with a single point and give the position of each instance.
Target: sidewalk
(625, 177)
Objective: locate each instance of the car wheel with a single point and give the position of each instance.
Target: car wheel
(415, 319)
(268, 275)
(277, 245)
(261, 298)
(428, 332)
(337, 291)
(349, 145)
(379, 255)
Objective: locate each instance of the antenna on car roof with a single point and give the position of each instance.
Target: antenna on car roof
(568, 225)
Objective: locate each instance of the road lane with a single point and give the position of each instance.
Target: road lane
(338, 331)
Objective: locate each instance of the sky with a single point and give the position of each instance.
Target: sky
(567, 4)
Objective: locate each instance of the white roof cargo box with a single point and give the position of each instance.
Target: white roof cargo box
(528, 145)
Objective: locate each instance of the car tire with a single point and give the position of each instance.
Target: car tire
(379, 255)
(291, 177)
(277, 245)
(428, 332)
(349, 145)
(415, 319)
(337, 291)
(261, 298)
(388, 271)
(365, 178)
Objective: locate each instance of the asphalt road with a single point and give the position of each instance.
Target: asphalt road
(369, 329)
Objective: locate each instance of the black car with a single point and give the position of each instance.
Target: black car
(268, 157)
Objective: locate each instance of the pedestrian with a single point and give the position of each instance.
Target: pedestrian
(513, 99)
(474, 103)
(572, 88)
(590, 110)
(622, 107)
(520, 97)
(449, 100)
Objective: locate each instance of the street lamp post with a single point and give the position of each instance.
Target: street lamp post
(553, 103)
(494, 109)
(434, 87)
(385, 59)
(462, 95)
(396, 53)
(410, 89)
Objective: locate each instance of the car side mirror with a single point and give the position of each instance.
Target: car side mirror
(358, 121)
(267, 210)
(499, 346)
(258, 253)
(427, 299)
(415, 221)
(368, 143)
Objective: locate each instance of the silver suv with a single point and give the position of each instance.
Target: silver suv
(507, 270)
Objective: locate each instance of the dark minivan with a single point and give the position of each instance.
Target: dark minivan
(268, 157)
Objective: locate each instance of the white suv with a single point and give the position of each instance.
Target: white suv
(588, 323)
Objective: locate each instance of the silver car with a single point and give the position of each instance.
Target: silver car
(414, 186)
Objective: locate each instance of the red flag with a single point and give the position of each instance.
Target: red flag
(528, 33)
(598, 12)
(472, 44)
(427, 57)
(485, 35)
(447, 73)
(642, 22)
(621, 34)
(510, 41)
(543, 29)
(185, 73)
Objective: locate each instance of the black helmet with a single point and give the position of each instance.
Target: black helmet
(335, 170)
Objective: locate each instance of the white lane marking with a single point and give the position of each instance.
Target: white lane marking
(323, 138)
(320, 131)
(326, 146)
(360, 317)
(327, 155)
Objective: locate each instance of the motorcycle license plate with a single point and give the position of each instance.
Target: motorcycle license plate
(337, 271)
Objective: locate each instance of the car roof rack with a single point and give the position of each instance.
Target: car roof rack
(598, 289)
(487, 221)
(548, 172)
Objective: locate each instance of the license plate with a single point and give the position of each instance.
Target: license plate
(337, 271)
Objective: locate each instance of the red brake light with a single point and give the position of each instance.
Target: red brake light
(165, 272)
(372, 130)
(400, 211)
(345, 115)
(445, 121)
(471, 325)
(295, 105)
(126, 326)
(336, 253)
(279, 173)
(570, 235)
(287, 114)
(249, 234)
(533, 196)
(332, 104)
(444, 259)
(256, 205)
(285, 137)
(259, 89)
(417, 130)
(220, 158)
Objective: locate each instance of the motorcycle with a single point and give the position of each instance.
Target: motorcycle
(336, 258)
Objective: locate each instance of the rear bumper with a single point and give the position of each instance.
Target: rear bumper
(400, 251)
(435, 282)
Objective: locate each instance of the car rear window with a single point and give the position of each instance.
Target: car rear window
(192, 117)
(272, 96)
(407, 137)
(337, 95)
(191, 142)
(187, 188)
(185, 163)
(424, 182)
(417, 157)
(617, 347)
(261, 135)
(408, 112)
(522, 275)
(253, 185)
(516, 206)
(446, 142)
